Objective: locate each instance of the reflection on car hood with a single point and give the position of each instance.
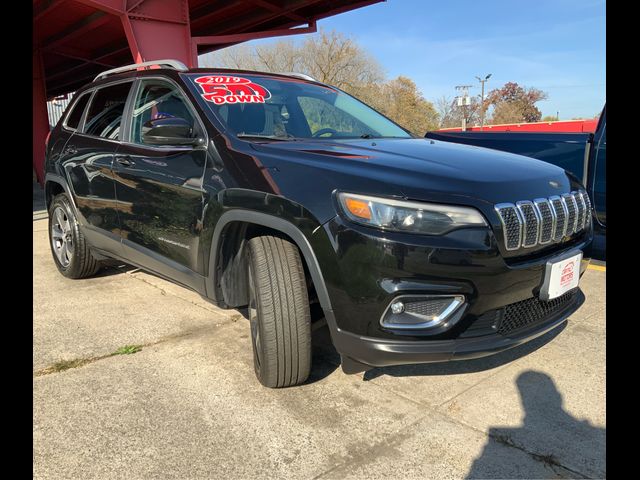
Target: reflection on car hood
(418, 167)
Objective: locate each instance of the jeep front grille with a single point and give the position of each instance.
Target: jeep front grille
(526, 224)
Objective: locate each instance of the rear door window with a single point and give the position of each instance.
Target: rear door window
(75, 115)
(106, 111)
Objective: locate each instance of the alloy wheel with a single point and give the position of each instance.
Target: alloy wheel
(61, 236)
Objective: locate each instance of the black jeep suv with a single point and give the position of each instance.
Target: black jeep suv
(292, 198)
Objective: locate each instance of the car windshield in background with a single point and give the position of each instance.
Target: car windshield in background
(264, 107)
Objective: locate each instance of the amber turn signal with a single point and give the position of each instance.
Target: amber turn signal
(358, 208)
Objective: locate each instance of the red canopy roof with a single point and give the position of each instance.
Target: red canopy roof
(80, 38)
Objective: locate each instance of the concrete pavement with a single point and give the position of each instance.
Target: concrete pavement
(188, 405)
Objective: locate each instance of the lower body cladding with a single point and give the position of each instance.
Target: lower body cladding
(363, 353)
(404, 299)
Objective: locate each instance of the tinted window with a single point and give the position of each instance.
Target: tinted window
(106, 111)
(286, 107)
(157, 100)
(74, 117)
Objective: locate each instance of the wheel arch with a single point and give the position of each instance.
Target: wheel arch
(233, 224)
(54, 185)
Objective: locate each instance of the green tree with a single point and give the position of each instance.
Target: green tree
(513, 104)
(400, 100)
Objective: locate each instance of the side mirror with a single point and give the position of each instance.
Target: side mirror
(169, 131)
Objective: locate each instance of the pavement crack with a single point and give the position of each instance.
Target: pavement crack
(548, 460)
(64, 365)
(498, 370)
(377, 449)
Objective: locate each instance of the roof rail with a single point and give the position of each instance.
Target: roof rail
(299, 75)
(175, 64)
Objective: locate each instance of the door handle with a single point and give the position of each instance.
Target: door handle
(125, 161)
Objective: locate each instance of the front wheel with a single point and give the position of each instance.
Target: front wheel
(278, 312)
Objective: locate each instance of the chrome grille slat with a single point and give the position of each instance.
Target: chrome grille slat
(587, 201)
(560, 211)
(547, 219)
(526, 223)
(582, 210)
(572, 208)
(511, 225)
(531, 225)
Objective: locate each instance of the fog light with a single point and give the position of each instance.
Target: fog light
(397, 307)
(430, 313)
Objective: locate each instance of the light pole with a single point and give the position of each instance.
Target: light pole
(482, 81)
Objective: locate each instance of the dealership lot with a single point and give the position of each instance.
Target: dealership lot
(187, 405)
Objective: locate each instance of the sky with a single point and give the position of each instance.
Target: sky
(557, 46)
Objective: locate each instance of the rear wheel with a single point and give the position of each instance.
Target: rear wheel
(70, 251)
(278, 312)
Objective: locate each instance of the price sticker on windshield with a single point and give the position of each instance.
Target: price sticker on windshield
(221, 89)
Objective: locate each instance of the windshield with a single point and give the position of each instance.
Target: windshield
(285, 108)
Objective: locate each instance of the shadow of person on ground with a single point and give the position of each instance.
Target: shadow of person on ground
(466, 366)
(559, 444)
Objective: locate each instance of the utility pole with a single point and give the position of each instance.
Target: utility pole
(482, 82)
(463, 101)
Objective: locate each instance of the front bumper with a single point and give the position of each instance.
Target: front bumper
(366, 270)
(360, 353)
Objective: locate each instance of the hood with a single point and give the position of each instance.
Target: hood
(421, 168)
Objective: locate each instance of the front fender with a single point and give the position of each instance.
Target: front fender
(282, 215)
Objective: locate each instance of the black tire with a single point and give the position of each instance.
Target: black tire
(278, 312)
(79, 263)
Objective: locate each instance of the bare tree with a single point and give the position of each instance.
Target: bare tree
(444, 107)
(335, 59)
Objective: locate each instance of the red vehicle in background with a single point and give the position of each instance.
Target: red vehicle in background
(583, 126)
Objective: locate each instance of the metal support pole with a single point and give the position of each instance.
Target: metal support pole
(40, 120)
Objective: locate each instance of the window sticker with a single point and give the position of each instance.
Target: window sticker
(221, 89)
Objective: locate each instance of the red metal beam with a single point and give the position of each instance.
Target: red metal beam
(76, 54)
(347, 8)
(99, 58)
(159, 29)
(243, 37)
(46, 7)
(77, 29)
(114, 7)
(40, 123)
(255, 21)
(203, 14)
(278, 9)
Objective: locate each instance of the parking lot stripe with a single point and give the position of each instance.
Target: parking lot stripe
(599, 268)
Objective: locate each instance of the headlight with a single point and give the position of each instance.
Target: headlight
(413, 217)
